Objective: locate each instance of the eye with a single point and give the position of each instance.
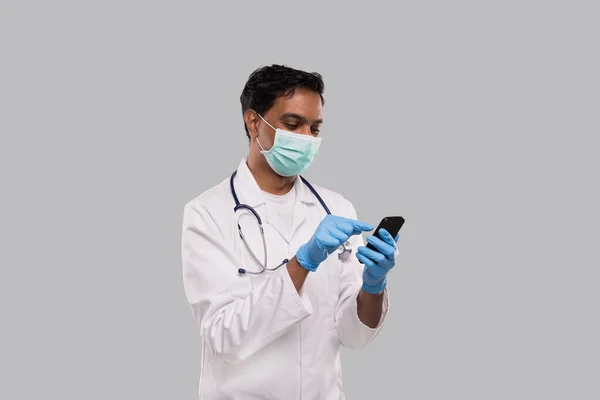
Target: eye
(315, 131)
(291, 127)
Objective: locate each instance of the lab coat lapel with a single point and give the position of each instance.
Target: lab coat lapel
(304, 199)
(252, 195)
(247, 189)
(299, 215)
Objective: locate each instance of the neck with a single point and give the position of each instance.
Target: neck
(266, 178)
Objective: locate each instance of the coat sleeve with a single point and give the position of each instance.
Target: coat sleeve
(234, 317)
(353, 334)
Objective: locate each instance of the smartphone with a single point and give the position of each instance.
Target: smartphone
(392, 224)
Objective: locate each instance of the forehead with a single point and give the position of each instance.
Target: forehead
(303, 102)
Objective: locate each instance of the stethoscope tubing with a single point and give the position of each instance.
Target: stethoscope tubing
(238, 206)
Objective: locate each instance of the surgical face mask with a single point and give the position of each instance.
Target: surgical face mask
(292, 153)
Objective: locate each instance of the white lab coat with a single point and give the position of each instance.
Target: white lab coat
(261, 339)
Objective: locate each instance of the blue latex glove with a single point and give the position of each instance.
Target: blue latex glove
(331, 233)
(377, 263)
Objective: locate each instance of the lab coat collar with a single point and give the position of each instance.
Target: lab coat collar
(250, 193)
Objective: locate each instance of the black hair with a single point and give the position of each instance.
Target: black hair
(268, 83)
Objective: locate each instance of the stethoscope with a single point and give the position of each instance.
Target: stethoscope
(343, 251)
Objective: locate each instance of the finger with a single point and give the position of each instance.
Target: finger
(346, 227)
(359, 231)
(386, 237)
(362, 226)
(384, 248)
(365, 260)
(339, 235)
(359, 226)
(372, 254)
(328, 242)
(397, 237)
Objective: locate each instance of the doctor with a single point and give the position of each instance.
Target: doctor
(274, 304)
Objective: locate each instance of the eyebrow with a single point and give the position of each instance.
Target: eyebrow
(300, 117)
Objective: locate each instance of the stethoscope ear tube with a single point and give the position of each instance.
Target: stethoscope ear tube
(252, 210)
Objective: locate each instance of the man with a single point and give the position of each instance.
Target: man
(272, 323)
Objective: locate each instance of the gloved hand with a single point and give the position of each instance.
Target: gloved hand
(331, 233)
(377, 263)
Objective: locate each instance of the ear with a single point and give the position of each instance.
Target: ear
(251, 121)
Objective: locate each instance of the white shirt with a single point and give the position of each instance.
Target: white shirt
(261, 339)
(280, 211)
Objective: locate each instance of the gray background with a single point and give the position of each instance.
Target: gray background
(476, 121)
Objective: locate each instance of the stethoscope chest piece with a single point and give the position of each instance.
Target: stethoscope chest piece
(344, 251)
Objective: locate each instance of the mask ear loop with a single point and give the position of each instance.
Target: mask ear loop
(266, 121)
(257, 141)
(262, 148)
